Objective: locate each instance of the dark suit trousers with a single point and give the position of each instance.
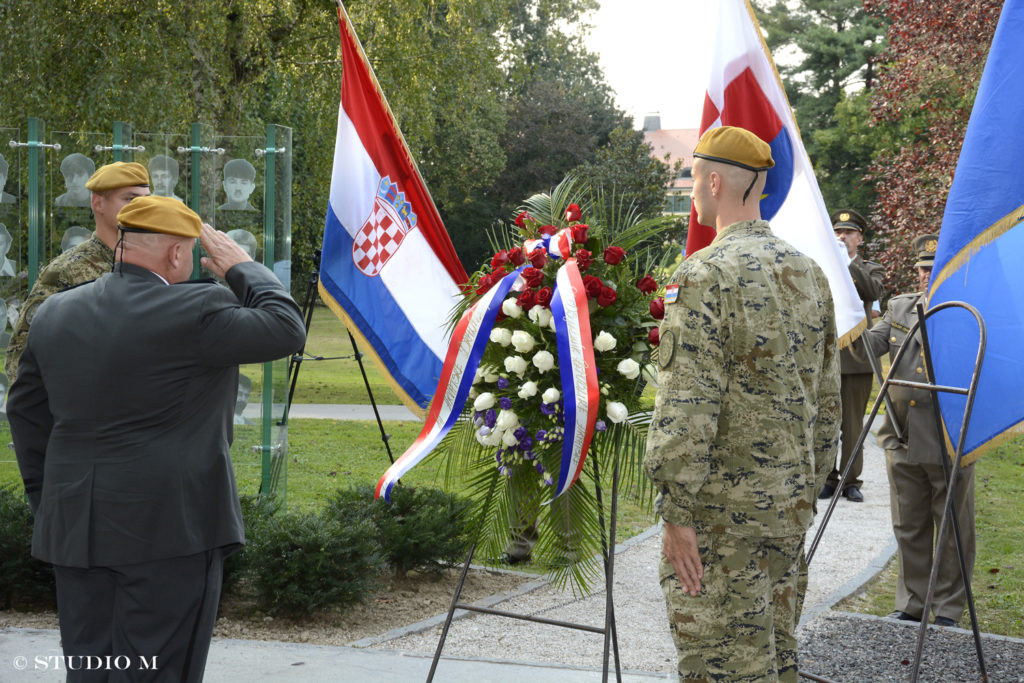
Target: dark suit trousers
(164, 610)
(855, 391)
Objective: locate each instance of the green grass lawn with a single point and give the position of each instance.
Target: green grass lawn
(998, 581)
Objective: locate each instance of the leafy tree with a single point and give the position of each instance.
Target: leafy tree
(836, 44)
(925, 93)
(625, 168)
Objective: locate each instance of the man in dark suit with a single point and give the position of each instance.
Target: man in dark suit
(857, 376)
(122, 423)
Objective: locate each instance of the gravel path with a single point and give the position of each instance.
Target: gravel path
(856, 545)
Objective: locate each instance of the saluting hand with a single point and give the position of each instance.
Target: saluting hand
(223, 251)
(679, 546)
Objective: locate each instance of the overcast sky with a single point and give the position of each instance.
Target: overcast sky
(656, 55)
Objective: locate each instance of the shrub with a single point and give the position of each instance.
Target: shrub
(304, 562)
(256, 511)
(24, 580)
(421, 528)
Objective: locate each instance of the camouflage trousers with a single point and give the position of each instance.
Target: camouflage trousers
(742, 624)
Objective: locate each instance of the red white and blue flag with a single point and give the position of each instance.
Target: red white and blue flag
(388, 268)
(744, 90)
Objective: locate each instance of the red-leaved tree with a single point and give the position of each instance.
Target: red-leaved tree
(925, 91)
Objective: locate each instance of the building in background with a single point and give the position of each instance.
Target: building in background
(678, 144)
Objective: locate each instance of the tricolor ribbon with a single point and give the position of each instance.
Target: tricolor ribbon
(579, 372)
(575, 347)
(465, 350)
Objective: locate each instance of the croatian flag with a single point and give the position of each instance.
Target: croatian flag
(388, 268)
(981, 245)
(744, 90)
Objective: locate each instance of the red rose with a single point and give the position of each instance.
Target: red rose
(517, 257)
(658, 308)
(543, 297)
(583, 259)
(579, 233)
(538, 258)
(533, 277)
(647, 285)
(654, 336)
(607, 296)
(593, 286)
(485, 283)
(522, 218)
(614, 255)
(573, 213)
(499, 260)
(548, 230)
(525, 300)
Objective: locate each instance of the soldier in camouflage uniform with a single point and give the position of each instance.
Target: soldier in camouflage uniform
(745, 426)
(917, 478)
(112, 187)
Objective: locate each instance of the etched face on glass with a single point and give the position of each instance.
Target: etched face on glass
(163, 183)
(238, 189)
(245, 240)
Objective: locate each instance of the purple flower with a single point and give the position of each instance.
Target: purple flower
(525, 443)
(489, 417)
(600, 426)
(520, 432)
(528, 455)
(548, 408)
(540, 435)
(502, 383)
(548, 481)
(506, 402)
(540, 468)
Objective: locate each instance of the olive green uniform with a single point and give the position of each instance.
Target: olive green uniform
(84, 263)
(917, 479)
(857, 376)
(744, 431)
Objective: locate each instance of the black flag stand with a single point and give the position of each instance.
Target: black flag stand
(952, 471)
(295, 362)
(608, 556)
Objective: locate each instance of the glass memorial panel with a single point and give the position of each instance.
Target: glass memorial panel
(68, 201)
(12, 245)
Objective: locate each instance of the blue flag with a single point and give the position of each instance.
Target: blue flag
(980, 255)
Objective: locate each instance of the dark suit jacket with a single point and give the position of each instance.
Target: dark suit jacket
(122, 412)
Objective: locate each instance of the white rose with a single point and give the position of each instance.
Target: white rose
(510, 308)
(473, 393)
(515, 364)
(484, 401)
(506, 421)
(651, 374)
(604, 341)
(509, 439)
(523, 342)
(543, 360)
(551, 395)
(540, 316)
(528, 390)
(629, 368)
(551, 323)
(499, 335)
(616, 412)
(492, 439)
(490, 375)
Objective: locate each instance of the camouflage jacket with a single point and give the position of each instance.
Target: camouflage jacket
(86, 262)
(746, 420)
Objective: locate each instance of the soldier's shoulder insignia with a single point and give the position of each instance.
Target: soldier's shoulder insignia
(666, 348)
(671, 294)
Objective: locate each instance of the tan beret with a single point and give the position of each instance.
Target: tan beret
(118, 174)
(736, 146)
(165, 215)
